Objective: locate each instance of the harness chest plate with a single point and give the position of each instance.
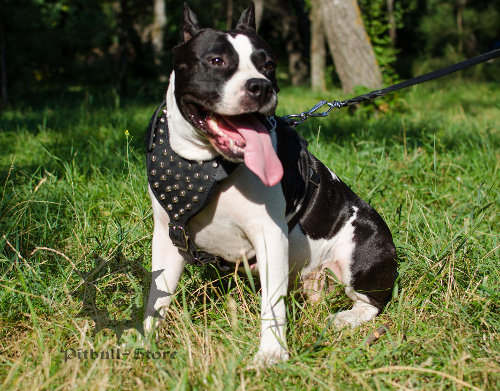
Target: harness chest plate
(182, 187)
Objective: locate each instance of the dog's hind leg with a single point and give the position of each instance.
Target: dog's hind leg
(372, 273)
(363, 259)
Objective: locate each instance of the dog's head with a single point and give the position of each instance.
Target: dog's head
(225, 85)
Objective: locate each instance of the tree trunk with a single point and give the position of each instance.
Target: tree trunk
(293, 26)
(123, 43)
(158, 30)
(392, 21)
(295, 32)
(229, 14)
(3, 66)
(318, 49)
(259, 11)
(460, 26)
(350, 45)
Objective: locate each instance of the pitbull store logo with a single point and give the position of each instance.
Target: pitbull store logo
(110, 281)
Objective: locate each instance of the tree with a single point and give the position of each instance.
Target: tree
(123, 44)
(317, 48)
(350, 45)
(158, 29)
(259, 11)
(3, 66)
(392, 20)
(294, 30)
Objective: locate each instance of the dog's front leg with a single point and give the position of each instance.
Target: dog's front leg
(272, 258)
(167, 267)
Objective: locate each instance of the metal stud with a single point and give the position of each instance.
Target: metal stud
(190, 166)
(183, 193)
(201, 162)
(177, 176)
(164, 152)
(196, 175)
(163, 178)
(153, 172)
(176, 186)
(215, 164)
(195, 198)
(162, 164)
(176, 216)
(188, 206)
(206, 177)
(175, 200)
(162, 196)
(190, 186)
(182, 211)
(156, 185)
(200, 189)
(169, 207)
(153, 145)
(169, 172)
(162, 119)
(161, 131)
(187, 179)
(179, 164)
(168, 189)
(160, 141)
(164, 111)
(171, 158)
(153, 158)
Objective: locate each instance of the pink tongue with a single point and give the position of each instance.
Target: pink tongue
(260, 157)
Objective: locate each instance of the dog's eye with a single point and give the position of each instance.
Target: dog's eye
(269, 66)
(217, 61)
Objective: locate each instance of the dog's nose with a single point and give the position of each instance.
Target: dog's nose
(259, 89)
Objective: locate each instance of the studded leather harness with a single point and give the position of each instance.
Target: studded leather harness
(184, 187)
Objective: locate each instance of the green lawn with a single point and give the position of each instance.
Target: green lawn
(73, 190)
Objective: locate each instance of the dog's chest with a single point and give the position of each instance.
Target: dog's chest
(221, 236)
(241, 209)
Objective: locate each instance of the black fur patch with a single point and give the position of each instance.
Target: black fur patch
(373, 265)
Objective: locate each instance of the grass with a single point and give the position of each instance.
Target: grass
(73, 190)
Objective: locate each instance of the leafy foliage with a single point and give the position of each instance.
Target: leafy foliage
(77, 41)
(377, 24)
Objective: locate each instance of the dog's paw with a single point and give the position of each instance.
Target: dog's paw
(149, 325)
(153, 319)
(265, 358)
(346, 319)
(355, 317)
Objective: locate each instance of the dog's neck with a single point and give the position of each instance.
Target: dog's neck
(185, 140)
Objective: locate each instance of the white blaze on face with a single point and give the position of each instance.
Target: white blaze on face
(234, 90)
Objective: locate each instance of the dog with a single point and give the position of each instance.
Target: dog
(221, 93)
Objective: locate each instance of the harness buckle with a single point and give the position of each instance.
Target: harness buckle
(179, 237)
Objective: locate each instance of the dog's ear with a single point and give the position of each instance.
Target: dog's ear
(247, 19)
(190, 24)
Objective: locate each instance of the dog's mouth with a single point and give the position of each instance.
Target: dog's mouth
(240, 138)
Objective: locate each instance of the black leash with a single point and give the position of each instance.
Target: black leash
(295, 119)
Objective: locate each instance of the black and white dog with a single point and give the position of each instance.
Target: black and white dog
(221, 91)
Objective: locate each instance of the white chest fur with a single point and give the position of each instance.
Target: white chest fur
(242, 208)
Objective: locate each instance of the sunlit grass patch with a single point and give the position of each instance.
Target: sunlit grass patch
(73, 190)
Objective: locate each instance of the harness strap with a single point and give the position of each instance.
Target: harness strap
(312, 184)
